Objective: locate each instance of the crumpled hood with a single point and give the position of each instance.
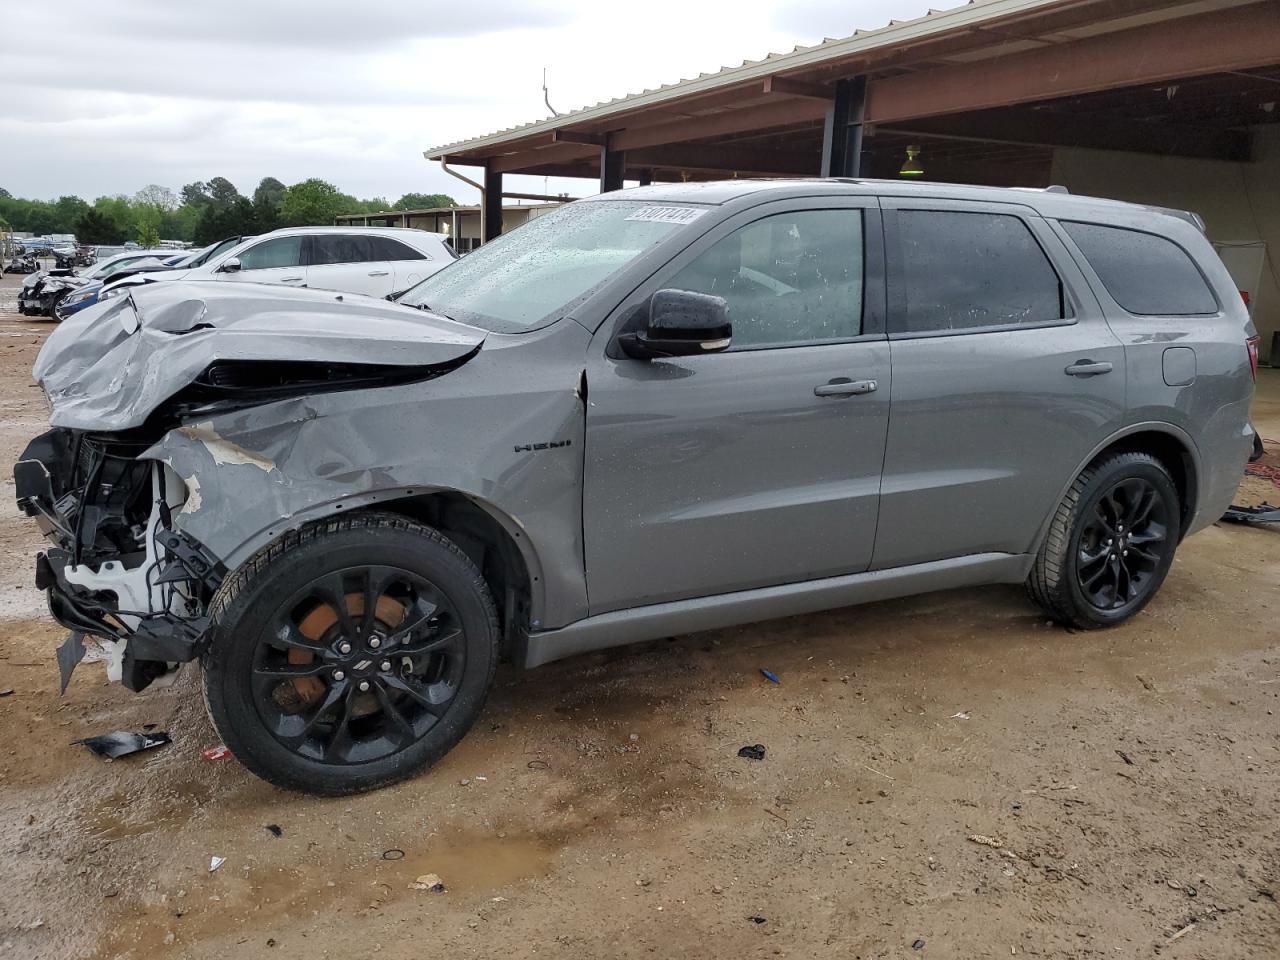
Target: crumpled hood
(110, 366)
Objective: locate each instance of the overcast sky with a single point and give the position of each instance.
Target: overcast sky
(103, 98)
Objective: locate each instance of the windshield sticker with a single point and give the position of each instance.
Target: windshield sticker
(667, 214)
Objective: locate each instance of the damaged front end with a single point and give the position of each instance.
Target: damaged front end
(119, 570)
(135, 386)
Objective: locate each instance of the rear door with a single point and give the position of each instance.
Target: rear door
(1005, 376)
(348, 262)
(759, 465)
(408, 266)
(273, 260)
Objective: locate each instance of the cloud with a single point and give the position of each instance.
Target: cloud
(820, 19)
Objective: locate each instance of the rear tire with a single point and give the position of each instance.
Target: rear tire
(1110, 543)
(311, 694)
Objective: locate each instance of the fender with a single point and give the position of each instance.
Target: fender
(1148, 426)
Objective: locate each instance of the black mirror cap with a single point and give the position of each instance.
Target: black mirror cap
(681, 323)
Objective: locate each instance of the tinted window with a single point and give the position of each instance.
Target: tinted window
(330, 248)
(788, 278)
(277, 252)
(1144, 273)
(968, 270)
(384, 248)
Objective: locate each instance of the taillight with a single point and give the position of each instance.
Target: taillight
(1252, 343)
(1244, 295)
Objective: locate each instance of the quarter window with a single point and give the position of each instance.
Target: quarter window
(277, 252)
(1145, 274)
(964, 271)
(788, 278)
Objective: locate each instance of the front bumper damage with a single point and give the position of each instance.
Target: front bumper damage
(118, 569)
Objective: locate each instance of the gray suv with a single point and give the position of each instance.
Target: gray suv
(651, 412)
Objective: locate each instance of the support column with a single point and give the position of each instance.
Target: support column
(646, 177)
(453, 231)
(491, 213)
(611, 166)
(842, 132)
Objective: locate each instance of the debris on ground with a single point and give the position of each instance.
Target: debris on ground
(70, 653)
(274, 830)
(753, 751)
(769, 675)
(1147, 684)
(6, 692)
(1125, 757)
(1183, 932)
(757, 919)
(393, 854)
(986, 841)
(213, 754)
(918, 945)
(1265, 513)
(960, 716)
(216, 862)
(122, 743)
(429, 881)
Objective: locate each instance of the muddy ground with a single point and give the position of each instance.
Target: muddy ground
(1128, 782)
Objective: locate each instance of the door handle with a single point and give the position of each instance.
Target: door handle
(1088, 368)
(844, 387)
(378, 273)
(290, 279)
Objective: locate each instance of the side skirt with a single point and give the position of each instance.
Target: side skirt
(748, 606)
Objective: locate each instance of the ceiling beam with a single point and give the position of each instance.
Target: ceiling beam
(728, 159)
(798, 88)
(578, 136)
(1233, 39)
(1047, 128)
(780, 114)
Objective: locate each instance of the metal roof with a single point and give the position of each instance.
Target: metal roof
(933, 24)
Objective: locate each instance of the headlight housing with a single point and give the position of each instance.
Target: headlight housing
(111, 292)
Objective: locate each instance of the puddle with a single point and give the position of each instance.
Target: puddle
(117, 816)
(481, 864)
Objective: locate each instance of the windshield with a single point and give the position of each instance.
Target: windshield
(528, 277)
(110, 264)
(201, 257)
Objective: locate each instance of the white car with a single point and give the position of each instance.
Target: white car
(375, 261)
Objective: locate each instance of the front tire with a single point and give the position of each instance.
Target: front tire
(350, 654)
(1110, 543)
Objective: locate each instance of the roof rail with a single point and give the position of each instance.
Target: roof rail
(1056, 188)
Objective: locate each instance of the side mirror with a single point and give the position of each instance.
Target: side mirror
(681, 323)
(231, 266)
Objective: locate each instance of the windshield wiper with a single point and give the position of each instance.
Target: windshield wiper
(423, 306)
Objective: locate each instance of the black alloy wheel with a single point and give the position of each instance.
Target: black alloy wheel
(1122, 544)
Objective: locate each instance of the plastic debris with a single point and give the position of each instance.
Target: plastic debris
(393, 854)
(754, 751)
(918, 945)
(769, 675)
(429, 881)
(960, 716)
(70, 653)
(274, 830)
(758, 919)
(122, 743)
(6, 692)
(213, 754)
(216, 862)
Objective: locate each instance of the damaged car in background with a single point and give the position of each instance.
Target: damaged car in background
(651, 412)
(44, 290)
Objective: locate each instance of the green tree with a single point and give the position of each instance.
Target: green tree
(68, 211)
(154, 195)
(223, 192)
(5, 194)
(424, 201)
(312, 202)
(148, 226)
(266, 203)
(94, 226)
(196, 194)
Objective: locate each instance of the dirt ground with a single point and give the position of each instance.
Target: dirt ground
(1127, 783)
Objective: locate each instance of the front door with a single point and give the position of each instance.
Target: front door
(1005, 377)
(275, 260)
(756, 466)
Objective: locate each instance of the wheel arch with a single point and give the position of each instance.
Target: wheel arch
(1168, 443)
(496, 544)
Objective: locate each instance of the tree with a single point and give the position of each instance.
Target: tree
(424, 201)
(94, 226)
(223, 192)
(196, 194)
(154, 195)
(148, 226)
(5, 194)
(67, 211)
(312, 202)
(266, 203)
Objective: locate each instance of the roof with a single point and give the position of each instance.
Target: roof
(289, 231)
(896, 33)
(431, 211)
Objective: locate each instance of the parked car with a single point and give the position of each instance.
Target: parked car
(374, 261)
(43, 290)
(87, 295)
(647, 413)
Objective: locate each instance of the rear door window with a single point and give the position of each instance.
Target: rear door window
(329, 248)
(1146, 274)
(384, 248)
(972, 270)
